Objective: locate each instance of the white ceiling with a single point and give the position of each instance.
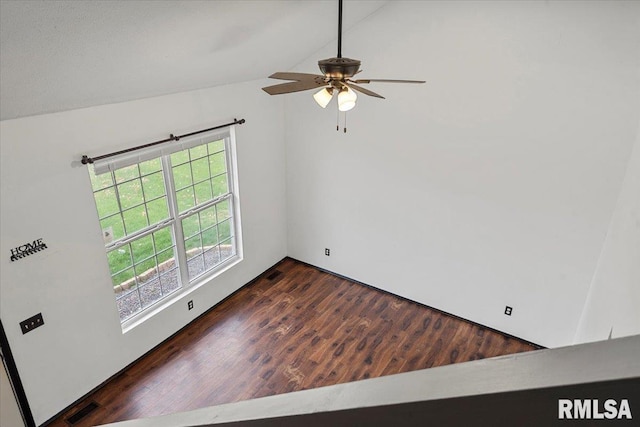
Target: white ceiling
(62, 55)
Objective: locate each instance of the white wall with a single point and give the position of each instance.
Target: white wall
(46, 194)
(613, 304)
(9, 410)
(491, 185)
(494, 184)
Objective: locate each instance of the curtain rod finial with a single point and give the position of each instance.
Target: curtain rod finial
(85, 160)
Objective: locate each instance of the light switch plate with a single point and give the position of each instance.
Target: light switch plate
(31, 323)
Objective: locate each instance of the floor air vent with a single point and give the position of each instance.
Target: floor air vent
(274, 275)
(89, 408)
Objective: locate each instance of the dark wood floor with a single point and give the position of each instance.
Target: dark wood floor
(293, 328)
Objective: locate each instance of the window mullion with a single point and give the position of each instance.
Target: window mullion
(205, 205)
(137, 235)
(178, 236)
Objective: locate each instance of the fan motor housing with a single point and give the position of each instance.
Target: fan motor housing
(339, 68)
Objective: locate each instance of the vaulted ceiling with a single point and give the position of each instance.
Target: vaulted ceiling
(62, 55)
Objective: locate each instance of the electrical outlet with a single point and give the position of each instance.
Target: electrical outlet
(31, 323)
(508, 310)
(190, 304)
(327, 251)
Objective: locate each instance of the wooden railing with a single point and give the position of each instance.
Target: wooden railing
(525, 389)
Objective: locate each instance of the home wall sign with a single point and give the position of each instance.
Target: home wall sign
(27, 249)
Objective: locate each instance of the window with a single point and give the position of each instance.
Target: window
(169, 218)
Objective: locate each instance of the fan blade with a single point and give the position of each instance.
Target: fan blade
(360, 81)
(363, 90)
(293, 87)
(295, 76)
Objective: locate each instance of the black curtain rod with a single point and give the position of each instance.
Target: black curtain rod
(172, 137)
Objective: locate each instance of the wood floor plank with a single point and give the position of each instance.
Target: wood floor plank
(294, 328)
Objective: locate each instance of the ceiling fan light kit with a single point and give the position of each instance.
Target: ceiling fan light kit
(324, 96)
(346, 99)
(336, 76)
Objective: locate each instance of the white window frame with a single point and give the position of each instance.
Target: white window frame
(174, 221)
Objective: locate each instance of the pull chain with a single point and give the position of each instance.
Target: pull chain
(338, 122)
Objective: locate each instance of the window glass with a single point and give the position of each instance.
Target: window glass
(147, 227)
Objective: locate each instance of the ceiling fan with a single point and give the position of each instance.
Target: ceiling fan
(336, 77)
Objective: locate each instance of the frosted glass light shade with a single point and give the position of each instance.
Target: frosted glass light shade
(346, 99)
(323, 96)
